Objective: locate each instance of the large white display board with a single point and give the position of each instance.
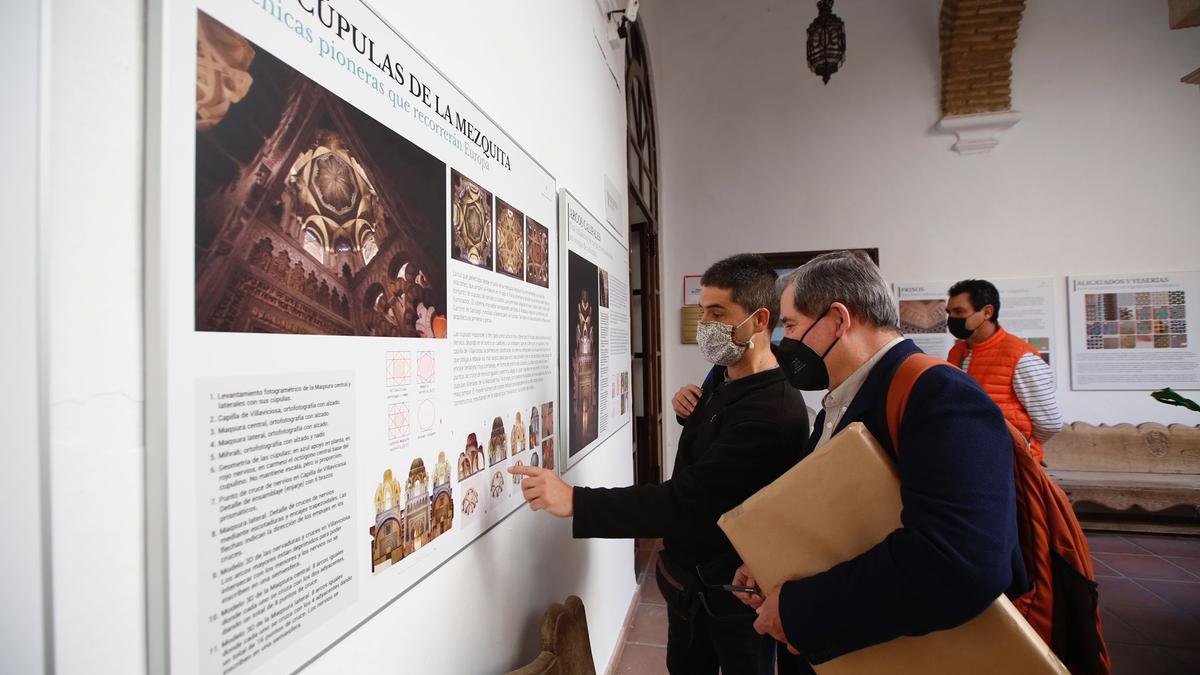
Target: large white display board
(353, 327)
(595, 331)
(1131, 331)
(1026, 310)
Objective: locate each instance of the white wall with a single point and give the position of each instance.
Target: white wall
(1101, 174)
(92, 301)
(536, 68)
(22, 580)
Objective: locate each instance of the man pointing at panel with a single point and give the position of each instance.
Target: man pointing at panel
(739, 433)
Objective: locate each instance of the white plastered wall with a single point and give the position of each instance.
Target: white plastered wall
(1102, 174)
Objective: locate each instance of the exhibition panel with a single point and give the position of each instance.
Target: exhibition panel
(353, 327)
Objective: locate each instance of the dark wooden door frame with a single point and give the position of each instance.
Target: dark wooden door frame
(642, 160)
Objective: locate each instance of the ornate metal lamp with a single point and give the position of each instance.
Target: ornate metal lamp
(826, 41)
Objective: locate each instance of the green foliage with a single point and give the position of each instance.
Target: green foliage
(1171, 397)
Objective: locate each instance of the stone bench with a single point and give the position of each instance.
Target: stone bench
(1150, 466)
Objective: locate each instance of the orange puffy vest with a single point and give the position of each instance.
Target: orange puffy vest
(992, 364)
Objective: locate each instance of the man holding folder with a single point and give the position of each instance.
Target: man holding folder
(956, 549)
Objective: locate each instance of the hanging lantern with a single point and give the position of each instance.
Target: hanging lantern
(826, 41)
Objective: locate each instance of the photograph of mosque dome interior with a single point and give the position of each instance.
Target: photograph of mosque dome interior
(300, 326)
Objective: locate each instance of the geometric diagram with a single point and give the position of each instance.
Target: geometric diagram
(426, 415)
(398, 421)
(470, 501)
(399, 368)
(426, 367)
(497, 484)
(517, 478)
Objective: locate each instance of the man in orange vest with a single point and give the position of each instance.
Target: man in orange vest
(1008, 368)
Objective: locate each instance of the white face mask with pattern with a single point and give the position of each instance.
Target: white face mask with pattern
(716, 341)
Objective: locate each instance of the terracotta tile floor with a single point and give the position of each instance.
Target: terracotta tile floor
(645, 650)
(1149, 603)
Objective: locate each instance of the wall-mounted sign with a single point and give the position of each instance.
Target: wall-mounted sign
(691, 290)
(596, 366)
(1131, 331)
(688, 318)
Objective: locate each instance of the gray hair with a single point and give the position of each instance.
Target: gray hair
(848, 277)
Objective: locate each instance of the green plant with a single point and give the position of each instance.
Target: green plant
(1172, 397)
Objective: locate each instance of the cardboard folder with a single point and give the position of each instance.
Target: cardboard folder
(839, 502)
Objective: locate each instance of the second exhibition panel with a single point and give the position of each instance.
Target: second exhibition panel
(595, 331)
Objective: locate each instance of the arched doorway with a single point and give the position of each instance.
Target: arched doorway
(646, 332)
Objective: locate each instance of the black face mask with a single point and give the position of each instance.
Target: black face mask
(958, 326)
(802, 367)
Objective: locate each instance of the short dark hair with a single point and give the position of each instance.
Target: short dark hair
(750, 280)
(981, 293)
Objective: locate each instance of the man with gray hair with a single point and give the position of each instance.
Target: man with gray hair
(956, 549)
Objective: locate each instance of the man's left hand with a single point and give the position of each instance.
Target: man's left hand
(769, 623)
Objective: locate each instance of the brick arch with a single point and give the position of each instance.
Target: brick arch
(977, 38)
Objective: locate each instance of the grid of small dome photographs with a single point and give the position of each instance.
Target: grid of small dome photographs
(1142, 320)
(488, 232)
(521, 438)
(414, 509)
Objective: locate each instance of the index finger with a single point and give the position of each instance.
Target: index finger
(525, 470)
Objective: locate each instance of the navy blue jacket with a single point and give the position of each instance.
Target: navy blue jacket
(956, 550)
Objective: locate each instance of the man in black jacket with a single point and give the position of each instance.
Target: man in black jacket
(739, 434)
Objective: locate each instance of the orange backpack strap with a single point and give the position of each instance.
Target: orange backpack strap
(903, 379)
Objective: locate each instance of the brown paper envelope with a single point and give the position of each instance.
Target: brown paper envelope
(836, 504)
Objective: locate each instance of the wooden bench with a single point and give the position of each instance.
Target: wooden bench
(1148, 466)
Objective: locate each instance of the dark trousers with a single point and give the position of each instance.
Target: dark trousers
(718, 635)
(703, 644)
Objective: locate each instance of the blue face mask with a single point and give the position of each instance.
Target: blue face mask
(803, 367)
